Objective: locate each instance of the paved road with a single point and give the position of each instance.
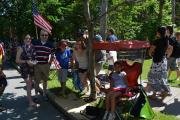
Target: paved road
(15, 101)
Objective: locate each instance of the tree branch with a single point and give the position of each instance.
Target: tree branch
(114, 8)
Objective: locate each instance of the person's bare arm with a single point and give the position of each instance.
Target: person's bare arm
(18, 56)
(151, 50)
(169, 51)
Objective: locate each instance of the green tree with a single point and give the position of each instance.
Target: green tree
(139, 20)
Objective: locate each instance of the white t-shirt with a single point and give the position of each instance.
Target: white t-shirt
(118, 80)
(82, 59)
(112, 57)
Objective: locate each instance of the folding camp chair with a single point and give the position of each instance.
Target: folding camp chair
(131, 50)
(133, 72)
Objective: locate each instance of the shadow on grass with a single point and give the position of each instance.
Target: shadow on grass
(68, 91)
(172, 81)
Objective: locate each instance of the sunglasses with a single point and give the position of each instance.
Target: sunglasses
(28, 38)
(44, 35)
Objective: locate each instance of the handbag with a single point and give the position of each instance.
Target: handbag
(142, 107)
(91, 110)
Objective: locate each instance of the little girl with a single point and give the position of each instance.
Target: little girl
(118, 86)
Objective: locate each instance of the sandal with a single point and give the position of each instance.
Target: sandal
(2, 108)
(164, 95)
(152, 97)
(33, 106)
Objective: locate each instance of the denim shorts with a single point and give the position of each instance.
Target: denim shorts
(3, 82)
(62, 75)
(172, 65)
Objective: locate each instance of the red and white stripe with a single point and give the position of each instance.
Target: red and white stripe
(56, 63)
(43, 24)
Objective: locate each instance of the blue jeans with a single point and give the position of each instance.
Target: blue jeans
(76, 80)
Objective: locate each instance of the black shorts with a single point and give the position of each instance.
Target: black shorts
(26, 70)
(80, 70)
(3, 82)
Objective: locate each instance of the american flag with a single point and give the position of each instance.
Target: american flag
(39, 20)
(56, 63)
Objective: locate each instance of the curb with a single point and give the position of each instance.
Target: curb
(54, 100)
(70, 108)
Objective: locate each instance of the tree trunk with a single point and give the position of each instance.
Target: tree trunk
(173, 11)
(161, 6)
(90, 49)
(103, 18)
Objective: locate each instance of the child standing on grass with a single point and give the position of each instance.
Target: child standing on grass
(3, 84)
(63, 55)
(118, 85)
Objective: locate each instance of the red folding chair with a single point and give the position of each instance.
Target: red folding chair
(133, 72)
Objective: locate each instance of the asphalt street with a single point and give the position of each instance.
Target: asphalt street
(15, 100)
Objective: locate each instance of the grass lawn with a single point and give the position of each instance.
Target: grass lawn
(53, 84)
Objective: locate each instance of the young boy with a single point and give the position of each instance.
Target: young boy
(63, 55)
(118, 85)
(3, 84)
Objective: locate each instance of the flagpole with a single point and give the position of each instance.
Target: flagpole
(36, 32)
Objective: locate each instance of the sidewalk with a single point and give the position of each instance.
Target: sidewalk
(73, 105)
(70, 107)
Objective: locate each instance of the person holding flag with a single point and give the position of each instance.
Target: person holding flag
(43, 50)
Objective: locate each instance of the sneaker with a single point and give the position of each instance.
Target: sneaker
(169, 93)
(105, 115)
(100, 95)
(111, 116)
